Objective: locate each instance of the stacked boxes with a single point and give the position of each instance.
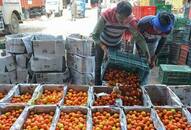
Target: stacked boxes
(48, 59)
(79, 58)
(19, 46)
(7, 69)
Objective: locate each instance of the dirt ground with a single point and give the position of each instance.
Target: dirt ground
(61, 25)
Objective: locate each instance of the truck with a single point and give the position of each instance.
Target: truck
(10, 16)
(32, 8)
(54, 7)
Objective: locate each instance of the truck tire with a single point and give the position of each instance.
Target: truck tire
(13, 27)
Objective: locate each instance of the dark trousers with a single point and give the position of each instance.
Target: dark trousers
(99, 53)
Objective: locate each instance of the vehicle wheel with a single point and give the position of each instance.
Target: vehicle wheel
(13, 27)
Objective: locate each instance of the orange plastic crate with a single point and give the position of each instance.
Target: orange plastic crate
(141, 11)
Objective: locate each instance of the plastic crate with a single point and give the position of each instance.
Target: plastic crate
(184, 49)
(141, 11)
(175, 74)
(163, 7)
(164, 60)
(174, 53)
(2, 45)
(181, 22)
(180, 34)
(189, 58)
(137, 12)
(155, 2)
(148, 10)
(165, 50)
(128, 62)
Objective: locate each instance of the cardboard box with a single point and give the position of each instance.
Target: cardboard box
(79, 45)
(21, 60)
(7, 63)
(83, 64)
(52, 78)
(13, 76)
(48, 64)
(4, 78)
(18, 43)
(22, 75)
(81, 78)
(8, 77)
(48, 46)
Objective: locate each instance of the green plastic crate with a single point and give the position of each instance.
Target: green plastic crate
(163, 7)
(162, 61)
(2, 45)
(128, 62)
(181, 23)
(155, 2)
(165, 50)
(175, 74)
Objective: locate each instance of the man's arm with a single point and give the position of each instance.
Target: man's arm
(98, 30)
(140, 41)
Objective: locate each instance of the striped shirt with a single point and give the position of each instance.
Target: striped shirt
(114, 30)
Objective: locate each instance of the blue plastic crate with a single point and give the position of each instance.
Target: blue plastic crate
(128, 62)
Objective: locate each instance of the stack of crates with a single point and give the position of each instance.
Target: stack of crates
(175, 74)
(174, 53)
(155, 2)
(181, 34)
(163, 7)
(141, 11)
(184, 49)
(163, 57)
(181, 22)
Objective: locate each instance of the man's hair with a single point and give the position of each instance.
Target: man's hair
(124, 8)
(166, 18)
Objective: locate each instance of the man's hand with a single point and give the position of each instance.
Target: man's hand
(105, 50)
(153, 60)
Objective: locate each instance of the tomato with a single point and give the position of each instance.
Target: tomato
(139, 120)
(106, 121)
(74, 98)
(22, 98)
(72, 121)
(8, 118)
(50, 97)
(38, 121)
(173, 119)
